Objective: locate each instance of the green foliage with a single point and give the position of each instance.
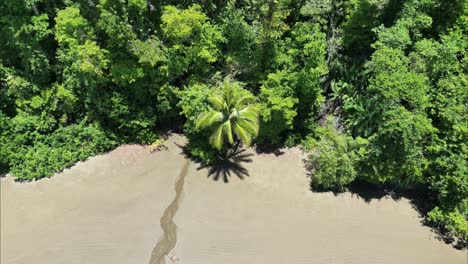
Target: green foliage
(398, 148)
(393, 72)
(453, 221)
(448, 170)
(232, 114)
(358, 28)
(309, 56)
(71, 28)
(277, 107)
(291, 98)
(22, 36)
(83, 62)
(192, 40)
(5, 152)
(115, 20)
(180, 25)
(200, 151)
(412, 109)
(401, 132)
(333, 157)
(241, 49)
(49, 154)
(193, 102)
(131, 120)
(150, 51)
(394, 82)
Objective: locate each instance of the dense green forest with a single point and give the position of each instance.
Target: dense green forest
(374, 90)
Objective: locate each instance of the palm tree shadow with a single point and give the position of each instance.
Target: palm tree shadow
(228, 164)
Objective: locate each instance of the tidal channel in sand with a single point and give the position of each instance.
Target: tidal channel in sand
(113, 209)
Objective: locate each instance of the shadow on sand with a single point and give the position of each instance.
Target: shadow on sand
(419, 197)
(267, 149)
(228, 164)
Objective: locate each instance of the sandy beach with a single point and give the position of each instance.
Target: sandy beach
(131, 206)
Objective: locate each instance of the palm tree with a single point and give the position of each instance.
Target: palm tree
(233, 114)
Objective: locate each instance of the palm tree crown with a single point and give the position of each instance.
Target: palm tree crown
(233, 113)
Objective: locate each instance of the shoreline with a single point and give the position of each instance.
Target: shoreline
(107, 210)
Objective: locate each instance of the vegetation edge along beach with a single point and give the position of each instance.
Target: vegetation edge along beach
(375, 91)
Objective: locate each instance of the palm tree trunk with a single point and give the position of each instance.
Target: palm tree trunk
(236, 145)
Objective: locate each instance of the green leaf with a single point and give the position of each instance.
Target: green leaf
(216, 139)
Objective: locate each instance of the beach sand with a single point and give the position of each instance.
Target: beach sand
(108, 209)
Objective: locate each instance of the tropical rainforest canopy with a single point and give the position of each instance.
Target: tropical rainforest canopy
(374, 90)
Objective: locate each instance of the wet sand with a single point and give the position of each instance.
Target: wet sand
(110, 209)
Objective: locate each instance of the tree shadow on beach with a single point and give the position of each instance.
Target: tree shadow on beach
(269, 149)
(419, 196)
(226, 164)
(229, 163)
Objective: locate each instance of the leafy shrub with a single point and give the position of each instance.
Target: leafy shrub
(4, 151)
(18, 133)
(399, 148)
(50, 154)
(193, 102)
(450, 182)
(332, 158)
(453, 221)
(293, 140)
(277, 107)
(200, 150)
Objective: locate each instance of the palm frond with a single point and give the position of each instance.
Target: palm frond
(227, 128)
(243, 100)
(217, 102)
(250, 112)
(216, 139)
(251, 127)
(232, 114)
(243, 134)
(207, 119)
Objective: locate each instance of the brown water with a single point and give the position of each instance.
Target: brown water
(169, 239)
(116, 207)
